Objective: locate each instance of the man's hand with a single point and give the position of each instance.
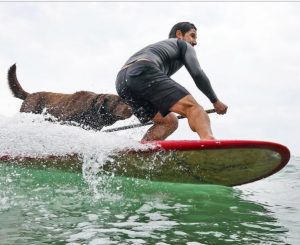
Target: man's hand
(220, 107)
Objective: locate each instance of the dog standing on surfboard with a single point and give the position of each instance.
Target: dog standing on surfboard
(86, 108)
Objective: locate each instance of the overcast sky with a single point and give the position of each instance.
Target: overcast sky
(249, 50)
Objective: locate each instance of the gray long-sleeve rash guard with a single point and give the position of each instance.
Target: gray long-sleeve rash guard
(170, 55)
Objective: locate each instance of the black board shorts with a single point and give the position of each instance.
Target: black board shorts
(148, 90)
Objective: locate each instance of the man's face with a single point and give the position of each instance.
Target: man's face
(190, 36)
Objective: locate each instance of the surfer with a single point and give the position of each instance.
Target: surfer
(144, 83)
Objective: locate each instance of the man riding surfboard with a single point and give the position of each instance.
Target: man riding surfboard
(144, 83)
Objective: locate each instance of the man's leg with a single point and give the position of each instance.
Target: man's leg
(197, 117)
(187, 106)
(162, 127)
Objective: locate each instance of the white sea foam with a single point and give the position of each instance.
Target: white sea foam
(31, 135)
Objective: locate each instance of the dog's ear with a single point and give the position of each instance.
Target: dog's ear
(103, 108)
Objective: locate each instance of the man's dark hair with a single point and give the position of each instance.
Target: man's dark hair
(181, 26)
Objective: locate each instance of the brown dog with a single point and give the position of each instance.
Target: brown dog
(85, 108)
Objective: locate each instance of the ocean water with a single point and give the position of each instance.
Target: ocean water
(57, 207)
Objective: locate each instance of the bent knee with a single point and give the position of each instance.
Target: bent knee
(170, 122)
(186, 105)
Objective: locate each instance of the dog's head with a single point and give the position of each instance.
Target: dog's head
(111, 108)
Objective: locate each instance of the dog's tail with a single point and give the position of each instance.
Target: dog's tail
(14, 84)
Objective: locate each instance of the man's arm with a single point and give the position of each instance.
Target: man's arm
(192, 65)
(201, 80)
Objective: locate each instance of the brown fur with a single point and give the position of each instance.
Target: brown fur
(83, 107)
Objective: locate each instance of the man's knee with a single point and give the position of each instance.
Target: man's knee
(170, 121)
(186, 106)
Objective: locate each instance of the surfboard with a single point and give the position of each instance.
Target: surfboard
(220, 162)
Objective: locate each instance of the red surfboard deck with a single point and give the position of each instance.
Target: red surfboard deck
(221, 162)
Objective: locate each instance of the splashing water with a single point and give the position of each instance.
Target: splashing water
(31, 135)
(50, 207)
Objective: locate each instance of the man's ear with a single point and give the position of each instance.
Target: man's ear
(179, 34)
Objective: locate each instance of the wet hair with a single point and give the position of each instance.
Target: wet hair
(181, 26)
